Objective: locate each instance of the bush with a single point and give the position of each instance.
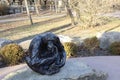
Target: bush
(91, 43)
(70, 48)
(115, 48)
(12, 54)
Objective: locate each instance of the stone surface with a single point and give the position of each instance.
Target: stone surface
(4, 42)
(73, 70)
(75, 40)
(78, 41)
(25, 44)
(64, 39)
(106, 38)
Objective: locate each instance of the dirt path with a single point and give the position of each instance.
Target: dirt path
(26, 18)
(114, 14)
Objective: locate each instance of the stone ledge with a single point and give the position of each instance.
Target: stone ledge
(73, 70)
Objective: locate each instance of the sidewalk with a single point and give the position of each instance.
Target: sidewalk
(26, 18)
(109, 64)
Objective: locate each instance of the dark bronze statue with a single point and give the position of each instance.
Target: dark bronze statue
(46, 54)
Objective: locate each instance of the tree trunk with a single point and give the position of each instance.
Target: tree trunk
(28, 12)
(39, 4)
(50, 6)
(69, 12)
(56, 8)
(21, 6)
(36, 6)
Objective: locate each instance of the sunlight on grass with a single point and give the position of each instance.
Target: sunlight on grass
(16, 24)
(26, 31)
(112, 25)
(57, 27)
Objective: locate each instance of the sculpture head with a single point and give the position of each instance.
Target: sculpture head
(48, 40)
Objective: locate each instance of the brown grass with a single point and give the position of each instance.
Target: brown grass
(22, 29)
(25, 30)
(90, 32)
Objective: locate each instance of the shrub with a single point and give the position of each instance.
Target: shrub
(70, 48)
(115, 48)
(91, 43)
(12, 54)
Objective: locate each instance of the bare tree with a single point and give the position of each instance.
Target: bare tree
(21, 5)
(36, 6)
(69, 11)
(56, 6)
(28, 12)
(88, 11)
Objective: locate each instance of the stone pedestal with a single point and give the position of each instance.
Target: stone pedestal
(73, 70)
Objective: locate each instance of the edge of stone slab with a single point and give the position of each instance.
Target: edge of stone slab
(96, 75)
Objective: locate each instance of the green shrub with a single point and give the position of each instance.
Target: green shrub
(115, 48)
(91, 43)
(12, 54)
(70, 48)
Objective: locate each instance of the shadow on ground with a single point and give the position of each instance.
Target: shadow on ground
(51, 30)
(37, 23)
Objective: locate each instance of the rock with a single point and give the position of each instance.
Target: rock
(4, 42)
(25, 44)
(64, 39)
(75, 40)
(78, 41)
(107, 38)
(73, 70)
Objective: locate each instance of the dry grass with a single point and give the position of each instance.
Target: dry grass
(78, 31)
(22, 29)
(9, 25)
(26, 30)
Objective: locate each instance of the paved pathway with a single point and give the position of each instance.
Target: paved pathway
(47, 15)
(114, 14)
(22, 18)
(109, 64)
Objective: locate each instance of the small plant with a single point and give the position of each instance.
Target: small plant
(115, 48)
(12, 54)
(91, 43)
(70, 48)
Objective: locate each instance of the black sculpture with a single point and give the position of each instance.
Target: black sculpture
(46, 54)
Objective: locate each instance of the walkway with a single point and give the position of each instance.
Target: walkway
(109, 64)
(113, 14)
(37, 17)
